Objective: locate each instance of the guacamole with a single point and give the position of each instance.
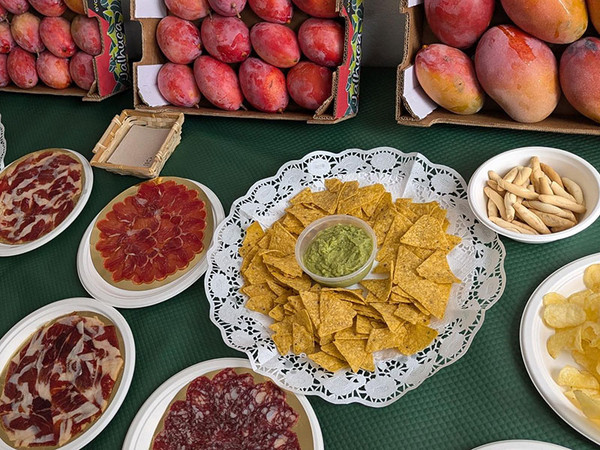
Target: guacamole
(338, 250)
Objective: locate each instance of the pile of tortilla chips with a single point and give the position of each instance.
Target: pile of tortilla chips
(339, 327)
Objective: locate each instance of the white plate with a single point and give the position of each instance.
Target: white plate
(98, 288)
(88, 177)
(542, 368)
(520, 445)
(23, 330)
(141, 430)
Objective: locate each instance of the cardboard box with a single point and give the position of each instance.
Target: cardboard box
(414, 107)
(342, 104)
(111, 66)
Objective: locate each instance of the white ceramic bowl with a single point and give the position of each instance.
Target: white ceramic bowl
(565, 163)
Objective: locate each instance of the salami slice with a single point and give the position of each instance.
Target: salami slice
(229, 412)
(37, 194)
(60, 381)
(152, 234)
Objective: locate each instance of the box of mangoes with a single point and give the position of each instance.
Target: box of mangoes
(521, 64)
(266, 59)
(63, 47)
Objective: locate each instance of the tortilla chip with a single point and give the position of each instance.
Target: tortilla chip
(282, 240)
(349, 295)
(293, 225)
(287, 265)
(335, 315)
(426, 232)
(387, 312)
(412, 314)
(302, 283)
(326, 200)
(367, 311)
(305, 214)
(380, 287)
(353, 351)
(261, 303)
(277, 288)
(282, 336)
(252, 290)
(253, 234)
(277, 313)
(302, 318)
(363, 325)
(310, 300)
(333, 184)
(304, 196)
(368, 363)
(328, 362)
(436, 269)
(350, 333)
(406, 262)
(382, 223)
(302, 339)
(428, 293)
(451, 242)
(417, 338)
(369, 197)
(395, 298)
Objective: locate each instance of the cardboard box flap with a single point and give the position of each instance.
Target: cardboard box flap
(148, 85)
(414, 98)
(149, 10)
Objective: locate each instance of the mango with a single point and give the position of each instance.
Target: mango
(86, 34)
(447, 76)
(593, 7)
(309, 84)
(554, 21)
(75, 5)
(53, 71)
(188, 9)
(459, 24)
(276, 11)
(276, 44)
(7, 43)
(263, 85)
(322, 41)
(25, 29)
(580, 76)
(81, 68)
(226, 38)
(4, 78)
(15, 6)
(227, 8)
(21, 68)
(178, 39)
(519, 72)
(218, 83)
(49, 8)
(55, 33)
(324, 9)
(177, 85)
(3, 13)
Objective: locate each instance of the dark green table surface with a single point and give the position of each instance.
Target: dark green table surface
(485, 396)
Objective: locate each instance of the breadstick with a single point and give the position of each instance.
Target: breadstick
(531, 219)
(509, 200)
(573, 189)
(497, 199)
(550, 220)
(562, 202)
(493, 176)
(551, 173)
(492, 209)
(512, 226)
(550, 209)
(557, 229)
(535, 163)
(518, 190)
(494, 186)
(544, 186)
(523, 177)
(557, 190)
(511, 175)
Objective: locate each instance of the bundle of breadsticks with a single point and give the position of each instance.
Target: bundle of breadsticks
(533, 199)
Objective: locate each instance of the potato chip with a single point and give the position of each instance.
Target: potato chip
(436, 269)
(591, 277)
(253, 234)
(568, 338)
(260, 303)
(353, 351)
(417, 338)
(571, 377)
(590, 406)
(564, 315)
(426, 232)
(578, 298)
(302, 339)
(335, 315)
(553, 298)
(328, 362)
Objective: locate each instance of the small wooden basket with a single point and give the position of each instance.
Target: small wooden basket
(158, 135)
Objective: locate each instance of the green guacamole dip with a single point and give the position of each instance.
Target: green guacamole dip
(338, 250)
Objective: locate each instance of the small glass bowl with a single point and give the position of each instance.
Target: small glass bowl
(309, 233)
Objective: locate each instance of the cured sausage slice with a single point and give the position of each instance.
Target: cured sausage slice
(229, 412)
(37, 195)
(60, 381)
(153, 233)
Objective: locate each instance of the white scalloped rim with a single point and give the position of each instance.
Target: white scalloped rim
(478, 260)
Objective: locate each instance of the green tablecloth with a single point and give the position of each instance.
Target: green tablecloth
(485, 396)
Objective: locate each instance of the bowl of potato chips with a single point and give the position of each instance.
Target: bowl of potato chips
(535, 194)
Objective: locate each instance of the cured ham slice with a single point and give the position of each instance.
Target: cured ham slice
(229, 412)
(37, 195)
(153, 233)
(60, 381)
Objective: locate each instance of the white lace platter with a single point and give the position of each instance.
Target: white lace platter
(2, 145)
(478, 261)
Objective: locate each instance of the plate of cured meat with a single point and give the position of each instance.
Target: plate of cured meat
(223, 403)
(66, 369)
(149, 243)
(41, 194)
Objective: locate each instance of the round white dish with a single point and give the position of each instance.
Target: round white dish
(142, 429)
(23, 330)
(533, 336)
(18, 249)
(565, 163)
(478, 260)
(98, 288)
(520, 445)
